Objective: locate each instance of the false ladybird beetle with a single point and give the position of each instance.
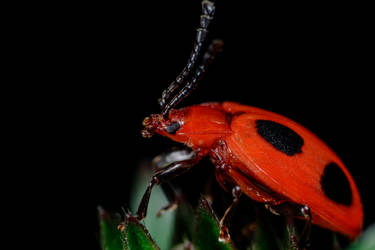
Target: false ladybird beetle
(266, 156)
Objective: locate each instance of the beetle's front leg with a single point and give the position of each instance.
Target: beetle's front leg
(163, 176)
(162, 161)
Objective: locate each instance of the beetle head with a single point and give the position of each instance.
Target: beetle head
(197, 126)
(169, 127)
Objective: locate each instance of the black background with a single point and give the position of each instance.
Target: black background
(97, 69)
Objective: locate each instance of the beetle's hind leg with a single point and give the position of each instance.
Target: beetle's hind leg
(163, 176)
(292, 210)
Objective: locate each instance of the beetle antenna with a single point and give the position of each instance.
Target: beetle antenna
(215, 47)
(208, 10)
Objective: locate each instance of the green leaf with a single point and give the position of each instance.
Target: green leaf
(136, 235)
(366, 241)
(111, 237)
(207, 229)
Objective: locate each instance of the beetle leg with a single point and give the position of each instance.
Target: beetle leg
(304, 238)
(162, 161)
(163, 176)
(224, 234)
(292, 210)
(174, 155)
(171, 197)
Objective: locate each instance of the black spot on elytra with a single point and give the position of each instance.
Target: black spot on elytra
(335, 184)
(280, 136)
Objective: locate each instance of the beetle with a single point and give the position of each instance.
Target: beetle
(264, 155)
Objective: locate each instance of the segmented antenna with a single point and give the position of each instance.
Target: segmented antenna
(208, 10)
(215, 47)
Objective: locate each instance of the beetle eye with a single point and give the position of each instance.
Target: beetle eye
(172, 128)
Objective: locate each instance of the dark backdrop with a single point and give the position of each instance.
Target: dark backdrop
(105, 64)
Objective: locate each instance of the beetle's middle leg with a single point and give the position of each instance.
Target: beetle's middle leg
(220, 158)
(224, 234)
(164, 175)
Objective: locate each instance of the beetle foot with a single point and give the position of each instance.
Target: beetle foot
(170, 207)
(128, 217)
(224, 236)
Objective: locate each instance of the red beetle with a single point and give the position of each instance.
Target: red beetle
(264, 155)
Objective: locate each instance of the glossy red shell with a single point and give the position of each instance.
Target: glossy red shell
(296, 178)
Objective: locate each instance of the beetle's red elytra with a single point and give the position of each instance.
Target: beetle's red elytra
(270, 157)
